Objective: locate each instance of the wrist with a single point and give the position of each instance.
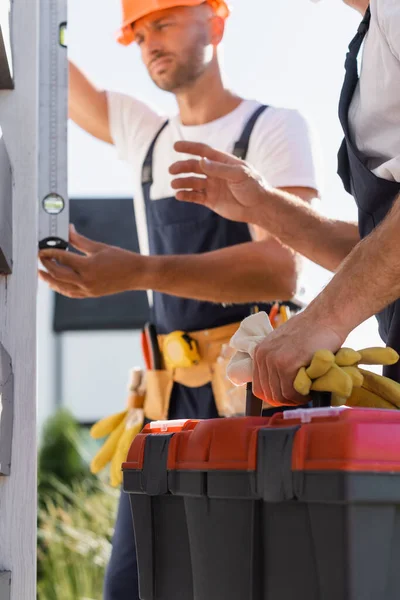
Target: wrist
(259, 211)
(144, 272)
(331, 314)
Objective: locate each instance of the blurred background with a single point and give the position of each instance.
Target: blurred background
(283, 52)
(287, 52)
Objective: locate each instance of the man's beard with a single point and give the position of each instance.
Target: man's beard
(177, 78)
(180, 75)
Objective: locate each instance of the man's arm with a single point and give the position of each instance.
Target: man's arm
(367, 282)
(236, 191)
(252, 272)
(325, 241)
(242, 273)
(88, 105)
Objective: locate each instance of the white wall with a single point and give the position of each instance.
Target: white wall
(18, 119)
(86, 372)
(95, 371)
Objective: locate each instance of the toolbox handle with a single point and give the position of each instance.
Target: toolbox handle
(254, 405)
(150, 348)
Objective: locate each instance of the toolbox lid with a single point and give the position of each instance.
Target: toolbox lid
(135, 458)
(167, 426)
(217, 444)
(352, 440)
(326, 439)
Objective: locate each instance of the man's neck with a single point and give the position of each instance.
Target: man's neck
(361, 6)
(206, 100)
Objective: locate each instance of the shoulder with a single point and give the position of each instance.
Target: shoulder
(285, 149)
(387, 13)
(283, 125)
(384, 9)
(133, 123)
(280, 117)
(129, 108)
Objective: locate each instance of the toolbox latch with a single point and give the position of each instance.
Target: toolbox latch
(274, 464)
(154, 475)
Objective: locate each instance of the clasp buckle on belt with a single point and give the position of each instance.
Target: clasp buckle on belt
(147, 174)
(180, 350)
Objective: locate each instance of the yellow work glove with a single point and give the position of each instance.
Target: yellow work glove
(121, 429)
(133, 426)
(340, 374)
(376, 392)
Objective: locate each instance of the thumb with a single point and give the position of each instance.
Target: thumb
(82, 243)
(230, 173)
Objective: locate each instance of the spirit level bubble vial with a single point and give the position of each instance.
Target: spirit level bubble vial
(53, 118)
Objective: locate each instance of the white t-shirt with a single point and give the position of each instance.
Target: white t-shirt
(374, 115)
(282, 147)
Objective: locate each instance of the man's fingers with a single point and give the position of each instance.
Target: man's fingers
(266, 386)
(189, 183)
(82, 243)
(68, 259)
(231, 173)
(65, 289)
(261, 387)
(203, 150)
(257, 389)
(44, 276)
(59, 272)
(186, 166)
(289, 393)
(190, 196)
(274, 385)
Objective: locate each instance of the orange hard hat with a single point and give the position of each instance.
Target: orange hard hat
(132, 10)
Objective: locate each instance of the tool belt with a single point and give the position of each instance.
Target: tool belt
(207, 369)
(194, 359)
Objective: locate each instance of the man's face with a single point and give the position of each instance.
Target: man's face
(175, 45)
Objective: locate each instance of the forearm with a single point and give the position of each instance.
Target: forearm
(252, 272)
(367, 282)
(79, 88)
(87, 106)
(296, 224)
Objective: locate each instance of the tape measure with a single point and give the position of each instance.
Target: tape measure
(53, 124)
(180, 350)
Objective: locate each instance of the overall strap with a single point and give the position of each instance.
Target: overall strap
(147, 168)
(240, 149)
(242, 145)
(351, 67)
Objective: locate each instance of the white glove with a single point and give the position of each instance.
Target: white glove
(251, 333)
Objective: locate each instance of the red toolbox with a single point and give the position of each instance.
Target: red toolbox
(302, 506)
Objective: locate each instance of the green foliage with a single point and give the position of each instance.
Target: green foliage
(75, 516)
(61, 453)
(74, 534)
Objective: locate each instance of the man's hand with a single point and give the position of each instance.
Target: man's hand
(284, 351)
(101, 270)
(221, 182)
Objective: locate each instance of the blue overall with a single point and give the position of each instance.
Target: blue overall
(178, 228)
(374, 196)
